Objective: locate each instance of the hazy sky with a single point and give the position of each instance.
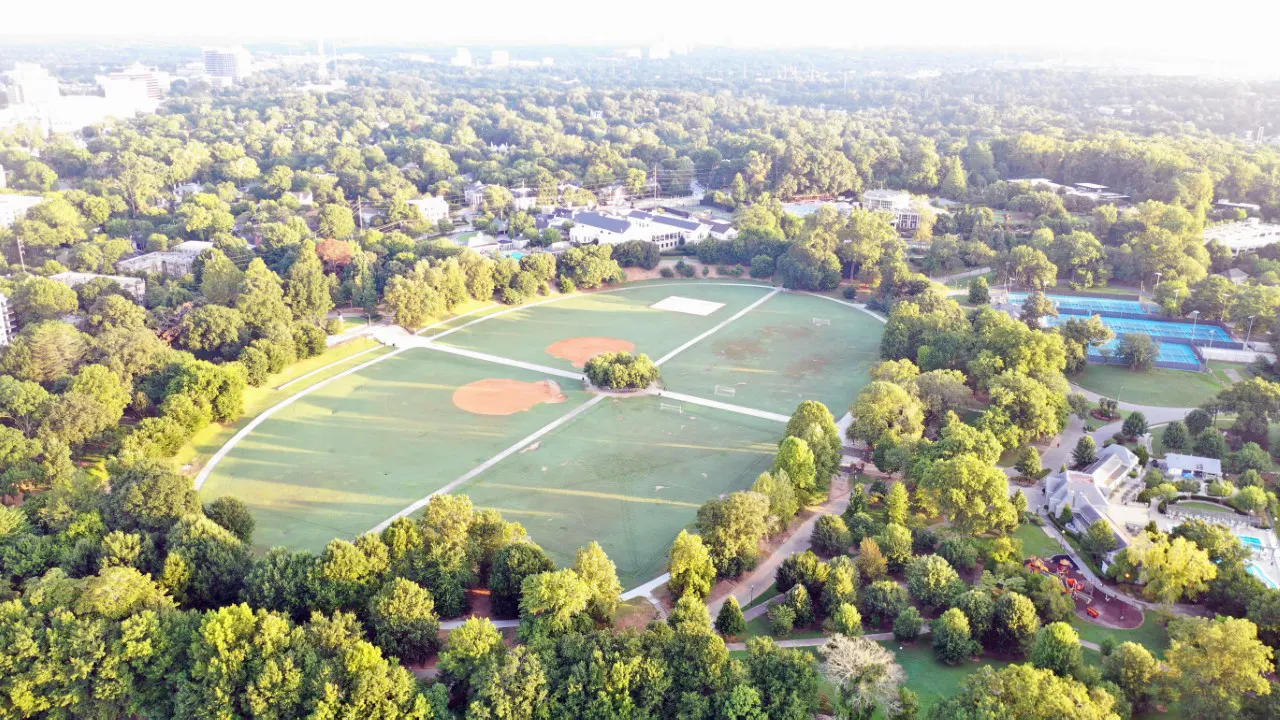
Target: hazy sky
(1244, 30)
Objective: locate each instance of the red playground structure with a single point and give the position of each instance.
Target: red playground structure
(1062, 569)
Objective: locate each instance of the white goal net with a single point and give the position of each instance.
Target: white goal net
(821, 321)
(668, 407)
(726, 391)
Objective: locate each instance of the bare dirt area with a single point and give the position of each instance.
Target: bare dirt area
(502, 396)
(581, 349)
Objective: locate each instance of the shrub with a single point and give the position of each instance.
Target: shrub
(761, 266)
(782, 619)
(850, 293)
(906, 627)
(667, 272)
(621, 370)
(882, 601)
(846, 620)
(333, 326)
(830, 536)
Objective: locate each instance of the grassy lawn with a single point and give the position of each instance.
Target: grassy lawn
(1035, 541)
(760, 626)
(352, 322)
(932, 680)
(1156, 387)
(1150, 634)
(763, 597)
(1204, 506)
(208, 440)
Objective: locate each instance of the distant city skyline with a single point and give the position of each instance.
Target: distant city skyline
(1127, 28)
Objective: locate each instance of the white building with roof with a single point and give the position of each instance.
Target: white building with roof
(433, 209)
(1180, 466)
(666, 231)
(6, 320)
(1244, 236)
(174, 262)
(1086, 491)
(14, 207)
(474, 193)
(137, 287)
(906, 218)
(228, 64)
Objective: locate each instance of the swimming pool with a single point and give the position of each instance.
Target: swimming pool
(1257, 572)
(1250, 541)
(1088, 305)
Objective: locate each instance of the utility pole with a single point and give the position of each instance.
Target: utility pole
(21, 259)
(360, 210)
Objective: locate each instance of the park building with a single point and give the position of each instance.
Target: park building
(1244, 236)
(600, 228)
(1087, 491)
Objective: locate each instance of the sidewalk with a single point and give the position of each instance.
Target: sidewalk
(764, 574)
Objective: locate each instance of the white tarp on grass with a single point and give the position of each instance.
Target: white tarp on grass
(675, 303)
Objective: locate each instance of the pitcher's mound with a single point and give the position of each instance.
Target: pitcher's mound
(500, 396)
(579, 350)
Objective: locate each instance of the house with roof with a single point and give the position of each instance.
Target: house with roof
(433, 209)
(906, 218)
(723, 230)
(1236, 276)
(474, 193)
(1192, 466)
(1086, 491)
(525, 198)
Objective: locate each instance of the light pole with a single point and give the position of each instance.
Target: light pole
(1250, 332)
(1157, 282)
(1195, 314)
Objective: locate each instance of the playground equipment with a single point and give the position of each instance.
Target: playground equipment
(1061, 570)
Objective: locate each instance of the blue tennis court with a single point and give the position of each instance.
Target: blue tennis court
(1169, 352)
(1089, 305)
(1159, 328)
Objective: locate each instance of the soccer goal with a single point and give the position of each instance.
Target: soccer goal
(726, 391)
(668, 407)
(821, 321)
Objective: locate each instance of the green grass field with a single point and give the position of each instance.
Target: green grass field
(1203, 506)
(775, 356)
(1035, 541)
(354, 452)
(1156, 387)
(341, 460)
(525, 332)
(628, 475)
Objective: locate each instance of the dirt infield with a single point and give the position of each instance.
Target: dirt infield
(501, 396)
(579, 350)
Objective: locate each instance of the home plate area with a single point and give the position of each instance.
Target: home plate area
(675, 303)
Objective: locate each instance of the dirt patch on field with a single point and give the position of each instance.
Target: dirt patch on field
(501, 396)
(581, 349)
(751, 347)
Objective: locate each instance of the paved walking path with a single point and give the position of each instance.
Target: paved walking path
(695, 400)
(763, 575)
(446, 489)
(413, 341)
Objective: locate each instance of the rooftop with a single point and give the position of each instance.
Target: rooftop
(604, 222)
(1213, 466)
